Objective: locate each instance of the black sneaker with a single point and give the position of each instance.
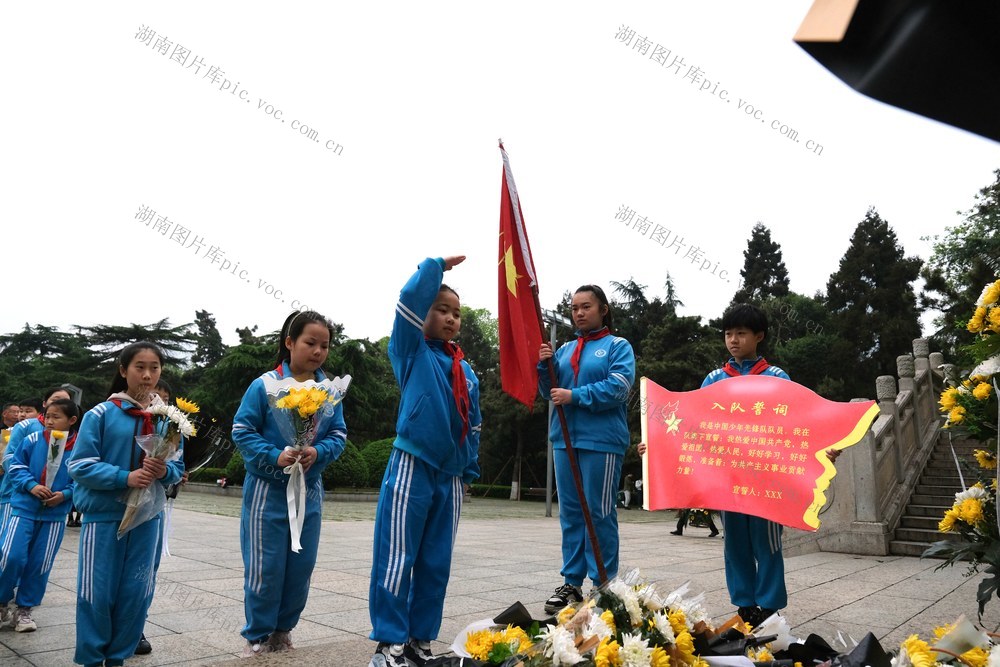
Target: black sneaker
(418, 652)
(143, 647)
(750, 615)
(390, 655)
(676, 532)
(565, 595)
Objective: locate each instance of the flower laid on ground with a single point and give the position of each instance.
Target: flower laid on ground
(497, 645)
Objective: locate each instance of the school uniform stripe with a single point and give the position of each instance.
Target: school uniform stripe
(8, 541)
(50, 545)
(457, 496)
(76, 463)
(397, 530)
(87, 562)
(409, 315)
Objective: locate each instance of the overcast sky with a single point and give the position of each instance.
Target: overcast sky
(407, 101)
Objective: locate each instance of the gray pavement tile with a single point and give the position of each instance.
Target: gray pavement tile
(888, 612)
(356, 621)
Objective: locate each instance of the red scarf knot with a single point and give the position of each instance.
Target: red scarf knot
(459, 388)
(756, 369)
(574, 361)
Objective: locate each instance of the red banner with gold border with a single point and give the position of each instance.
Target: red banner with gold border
(754, 444)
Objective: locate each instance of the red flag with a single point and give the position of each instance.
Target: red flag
(519, 327)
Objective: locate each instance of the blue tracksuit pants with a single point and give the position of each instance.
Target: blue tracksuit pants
(755, 567)
(600, 473)
(276, 579)
(27, 552)
(114, 590)
(415, 526)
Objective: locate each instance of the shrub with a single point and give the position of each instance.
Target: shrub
(208, 475)
(235, 469)
(350, 470)
(376, 454)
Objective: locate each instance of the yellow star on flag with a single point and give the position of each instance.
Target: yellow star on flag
(511, 270)
(672, 423)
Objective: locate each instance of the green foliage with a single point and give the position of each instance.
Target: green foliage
(373, 397)
(236, 469)
(965, 257)
(350, 470)
(488, 491)
(376, 455)
(208, 475)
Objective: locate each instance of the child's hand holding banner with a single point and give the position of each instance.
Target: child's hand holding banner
(753, 444)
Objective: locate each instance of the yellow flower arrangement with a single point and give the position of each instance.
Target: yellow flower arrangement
(971, 511)
(685, 646)
(190, 407)
(947, 524)
(607, 654)
(678, 622)
(956, 415)
(919, 651)
(480, 643)
(986, 460)
(609, 619)
(306, 401)
(659, 658)
(982, 391)
(975, 324)
(949, 399)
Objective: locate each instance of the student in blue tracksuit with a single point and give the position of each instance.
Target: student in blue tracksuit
(435, 453)
(33, 420)
(276, 579)
(595, 374)
(755, 567)
(40, 503)
(115, 579)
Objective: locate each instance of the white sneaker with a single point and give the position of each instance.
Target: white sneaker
(280, 640)
(24, 622)
(253, 649)
(390, 655)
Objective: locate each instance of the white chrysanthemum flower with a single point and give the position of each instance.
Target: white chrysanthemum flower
(994, 659)
(627, 595)
(635, 651)
(662, 623)
(186, 428)
(981, 301)
(976, 492)
(597, 627)
(158, 409)
(988, 368)
(650, 599)
(560, 645)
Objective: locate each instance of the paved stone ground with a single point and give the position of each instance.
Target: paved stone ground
(506, 552)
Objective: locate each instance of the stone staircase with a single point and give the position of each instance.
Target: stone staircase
(934, 493)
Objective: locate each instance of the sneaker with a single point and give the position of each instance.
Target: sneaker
(390, 655)
(565, 595)
(418, 652)
(6, 615)
(280, 640)
(253, 649)
(24, 622)
(143, 647)
(750, 615)
(676, 532)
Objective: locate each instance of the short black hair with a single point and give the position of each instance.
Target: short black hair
(35, 403)
(165, 386)
(51, 390)
(745, 315)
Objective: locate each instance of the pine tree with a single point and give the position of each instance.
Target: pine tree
(872, 305)
(209, 347)
(764, 273)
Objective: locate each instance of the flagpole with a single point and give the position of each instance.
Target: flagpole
(553, 382)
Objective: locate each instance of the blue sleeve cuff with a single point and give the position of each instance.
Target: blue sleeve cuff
(122, 479)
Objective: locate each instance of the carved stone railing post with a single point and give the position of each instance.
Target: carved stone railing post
(885, 392)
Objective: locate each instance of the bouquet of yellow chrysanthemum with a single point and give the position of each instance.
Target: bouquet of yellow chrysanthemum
(958, 643)
(300, 408)
(170, 426)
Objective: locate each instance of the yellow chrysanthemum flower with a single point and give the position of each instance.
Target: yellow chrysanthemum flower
(685, 646)
(956, 415)
(947, 524)
(976, 657)
(949, 399)
(566, 614)
(975, 325)
(659, 658)
(993, 319)
(971, 511)
(678, 621)
(318, 395)
(609, 620)
(982, 391)
(607, 654)
(184, 405)
(991, 294)
(986, 460)
(513, 633)
(918, 651)
(58, 435)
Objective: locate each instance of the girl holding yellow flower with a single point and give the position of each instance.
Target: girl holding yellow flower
(276, 578)
(43, 493)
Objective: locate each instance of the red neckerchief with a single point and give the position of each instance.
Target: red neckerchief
(458, 386)
(281, 371)
(70, 439)
(756, 369)
(574, 361)
(41, 419)
(145, 416)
